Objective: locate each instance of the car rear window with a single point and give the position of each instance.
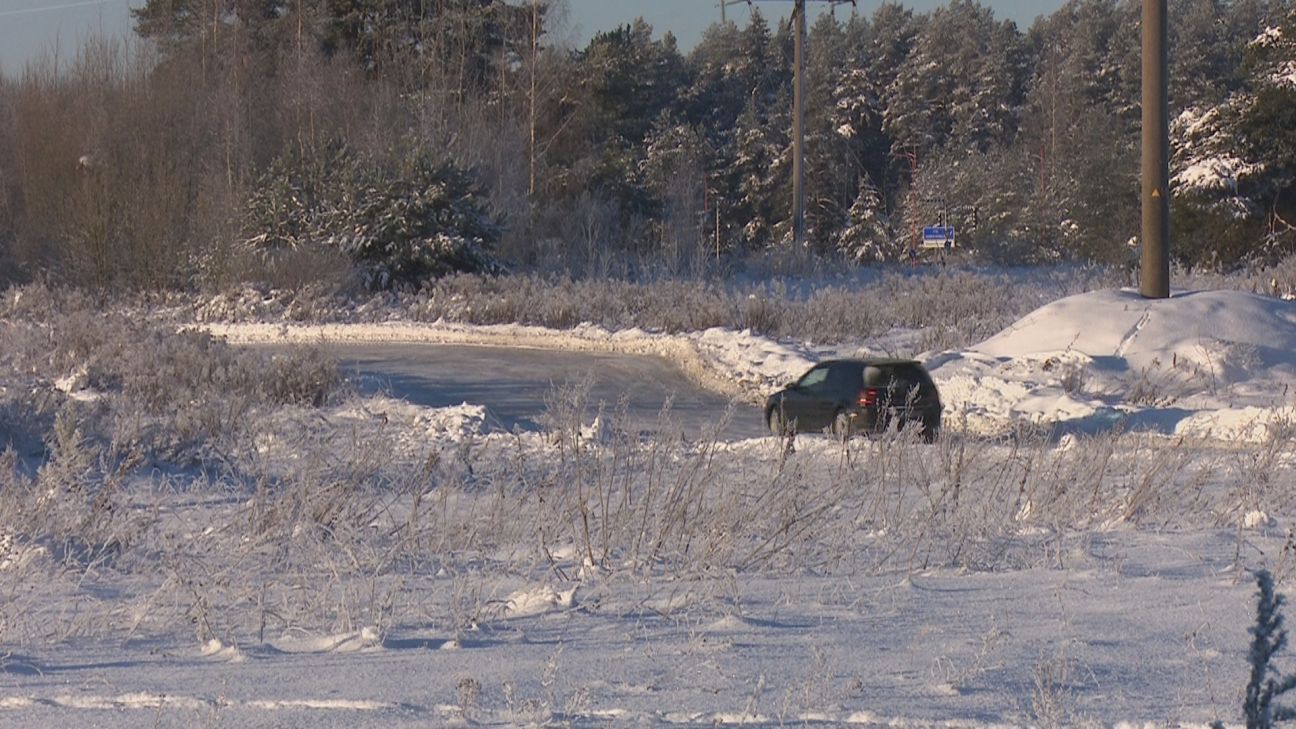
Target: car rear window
(910, 376)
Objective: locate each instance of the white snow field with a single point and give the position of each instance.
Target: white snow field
(1077, 549)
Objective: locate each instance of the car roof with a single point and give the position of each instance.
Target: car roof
(871, 361)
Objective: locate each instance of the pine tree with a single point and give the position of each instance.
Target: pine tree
(757, 177)
(720, 89)
(673, 171)
(1269, 119)
(1235, 157)
(400, 221)
(832, 170)
(867, 236)
(963, 84)
(630, 79)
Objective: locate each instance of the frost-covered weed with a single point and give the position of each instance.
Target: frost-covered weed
(953, 308)
(140, 382)
(315, 529)
(305, 520)
(1267, 683)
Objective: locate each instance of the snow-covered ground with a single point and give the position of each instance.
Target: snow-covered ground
(1076, 551)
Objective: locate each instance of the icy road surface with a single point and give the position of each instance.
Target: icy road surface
(517, 386)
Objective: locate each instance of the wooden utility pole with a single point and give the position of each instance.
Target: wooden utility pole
(1154, 273)
(798, 127)
(535, 59)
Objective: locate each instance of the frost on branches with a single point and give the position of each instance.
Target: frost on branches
(399, 223)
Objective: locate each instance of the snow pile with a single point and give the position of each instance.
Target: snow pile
(449, 423)
(368, 638)
(538, 601)
(1213, 364)
(215, 649)
(76, 385)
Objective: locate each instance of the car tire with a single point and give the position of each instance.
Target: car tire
(930, 431)
(776, 423)
(841, 425)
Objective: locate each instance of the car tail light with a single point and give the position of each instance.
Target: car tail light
(868, 397)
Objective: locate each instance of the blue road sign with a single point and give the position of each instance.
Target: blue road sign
(938, 236)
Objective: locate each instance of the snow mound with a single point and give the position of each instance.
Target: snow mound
(1203, 364)
(1146, 331)
(368, 638)
(538, 601)
(456, 421)
(16, 555)
(217, 650)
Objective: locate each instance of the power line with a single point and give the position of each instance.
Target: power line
(49, 8)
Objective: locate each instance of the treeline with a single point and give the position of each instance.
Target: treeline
(388, 141)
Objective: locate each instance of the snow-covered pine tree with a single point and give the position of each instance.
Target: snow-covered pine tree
(1268, 123)
(673, 172)
(630, 78)
(400, 222)
(832, 168)
(758, 176)
(1235, 156)
(867, 236)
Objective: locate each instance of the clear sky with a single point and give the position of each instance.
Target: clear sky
(29, 26)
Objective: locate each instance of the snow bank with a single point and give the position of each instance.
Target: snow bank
(1215, 364)
(1209, 364)
(734, 364)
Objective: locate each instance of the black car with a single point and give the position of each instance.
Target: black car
(849, 396)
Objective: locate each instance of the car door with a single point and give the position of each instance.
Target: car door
(810, 401)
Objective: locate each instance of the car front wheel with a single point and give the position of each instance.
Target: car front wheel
(776, 422)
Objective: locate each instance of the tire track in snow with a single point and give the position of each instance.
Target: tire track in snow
(1128, 340)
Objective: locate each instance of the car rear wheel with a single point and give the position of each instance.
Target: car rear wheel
(841, 424)
(930, 430)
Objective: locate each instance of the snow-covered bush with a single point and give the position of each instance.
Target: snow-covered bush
(400, 222)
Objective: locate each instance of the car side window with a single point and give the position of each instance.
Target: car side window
(845, 378)
(814, 379)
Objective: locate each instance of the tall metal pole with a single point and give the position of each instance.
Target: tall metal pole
(1154, 274)
(798, 129)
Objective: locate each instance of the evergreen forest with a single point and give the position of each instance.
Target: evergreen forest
(383, 143)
